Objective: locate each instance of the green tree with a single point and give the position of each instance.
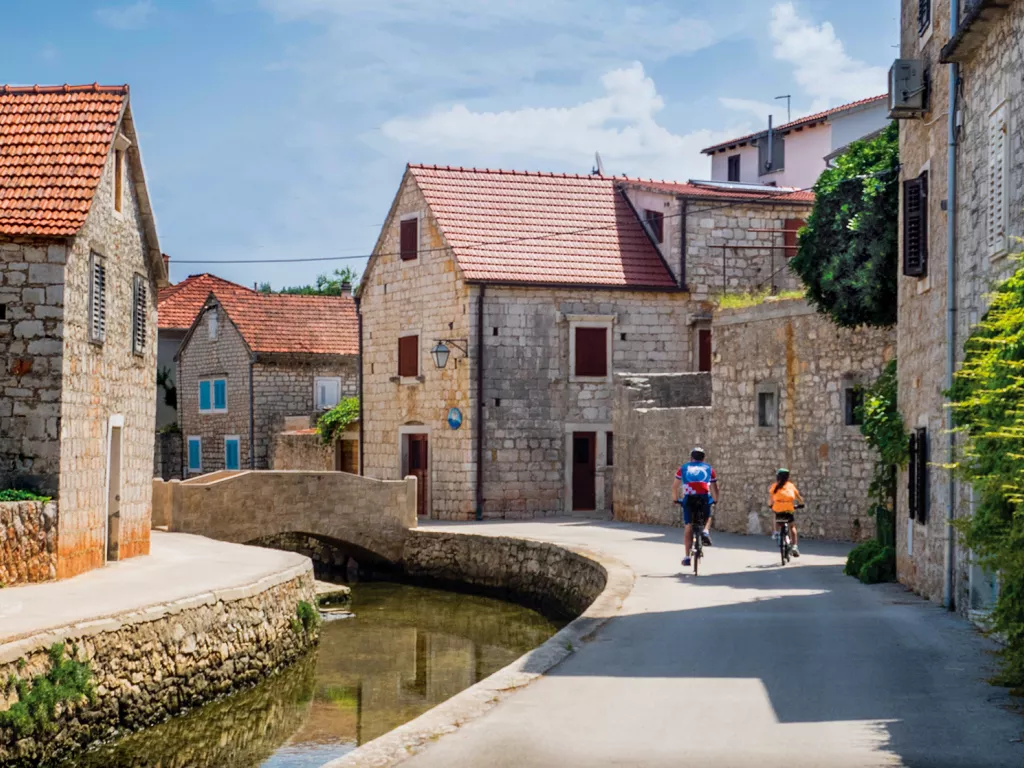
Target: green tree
(327, 285)
(848, 250)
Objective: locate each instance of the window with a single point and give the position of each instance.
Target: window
(610, 450)
(704, 350)
(998, 167)
(3, 311)
(195, 454)
(591, 354)
(656, 224)
(97, 300)
(213, 396)
(853, 402)
(917, 485)
(139, 307)
(328, 392)
(232, 452)
(790, 234)
(734, 167)
(924, 16)
(915, 226)
(211, 323)
(118, 178)
(409, 246)
(777, 160)
(766, 409)
(409, 356)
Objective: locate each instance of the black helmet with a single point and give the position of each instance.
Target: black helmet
(697, 454)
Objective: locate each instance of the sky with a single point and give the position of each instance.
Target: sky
(280, 129)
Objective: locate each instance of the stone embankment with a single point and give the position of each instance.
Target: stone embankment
(157, 661)
(28, 542)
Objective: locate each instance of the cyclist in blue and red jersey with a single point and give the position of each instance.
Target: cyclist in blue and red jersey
(697, 485)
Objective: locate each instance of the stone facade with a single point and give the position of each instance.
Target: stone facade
(988, 80)
(302, 449)
(157, 662)
(28, 542)
(67, 399)
(168, 456)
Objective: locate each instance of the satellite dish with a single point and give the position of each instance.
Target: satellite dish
(600, 165)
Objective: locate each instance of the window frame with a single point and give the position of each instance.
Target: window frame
(403, 220)
(853, 395)
(405, 378)
(140, 315)
(97, 323)
(606, 322)
(212, 320)
(655, 222)
(609, 449)
(198, 440)
(238, 441)
(916, 188)
(212, 382)
(729, 160)
(925, 26)
(918, 476)
(772, 389)
(998, 247)
(317, 380)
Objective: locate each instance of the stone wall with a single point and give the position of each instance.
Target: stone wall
(168, 456)
(535, 573)
(160, 661)
(807, 362)
(244, 506)
(660, 419)
(31, 360)
(301, 450)
(28, 542)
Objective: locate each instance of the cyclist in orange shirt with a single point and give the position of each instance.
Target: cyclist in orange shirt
(785, 497)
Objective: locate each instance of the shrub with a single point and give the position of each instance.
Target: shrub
(308, 619)
(13, 495)
(67, 680)
(880, 568)
(331, 424)
(860, 555)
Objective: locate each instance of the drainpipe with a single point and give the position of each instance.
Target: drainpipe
(359, 321)
(252, 415)
(682, 251)
(480, 404)
(948, 598)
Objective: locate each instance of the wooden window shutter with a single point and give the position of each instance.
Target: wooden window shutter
(139, 316)
(408, 356)
(791, 228)
(915, 226)
(410, 236)
(998, 161)
(917, 476)
(656, 221)
(592, 352)
(98, 300)
(924, 16)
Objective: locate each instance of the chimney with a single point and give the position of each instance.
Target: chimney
(167, 264)
(346, 289)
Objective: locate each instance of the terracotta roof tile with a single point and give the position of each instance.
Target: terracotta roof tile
(815, 118)
(519, 227)
(179, 304)
(274, 322)
(764, 194)
(54, 142)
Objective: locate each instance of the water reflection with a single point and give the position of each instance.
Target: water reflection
(406, 650)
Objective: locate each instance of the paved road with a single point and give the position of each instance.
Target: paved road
(749, 665)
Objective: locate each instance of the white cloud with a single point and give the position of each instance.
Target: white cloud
(822, 68)
(621, 124)
(131, 16)
(760, 109)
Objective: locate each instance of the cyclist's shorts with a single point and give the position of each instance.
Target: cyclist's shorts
(785, 517)
(695, 504)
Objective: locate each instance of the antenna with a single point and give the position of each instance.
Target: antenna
(789, 110)
(599, 169)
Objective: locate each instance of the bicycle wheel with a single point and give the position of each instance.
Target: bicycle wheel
(698, 553)
(784, 544)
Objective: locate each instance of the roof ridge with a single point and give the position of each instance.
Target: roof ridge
(18, 90)
(511, 172)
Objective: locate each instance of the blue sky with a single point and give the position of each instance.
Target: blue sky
(279, 129)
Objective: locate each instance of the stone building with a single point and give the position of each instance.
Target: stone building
(249, 361)
(536, 288)
(988, 208)
(783, 391)
(79, 276)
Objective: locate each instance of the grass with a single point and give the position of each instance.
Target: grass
(754, 298)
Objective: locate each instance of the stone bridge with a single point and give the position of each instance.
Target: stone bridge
(371, 517)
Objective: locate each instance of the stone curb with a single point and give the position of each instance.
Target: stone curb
(409, 739)
(14, 648)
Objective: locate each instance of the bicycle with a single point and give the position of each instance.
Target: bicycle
(697, 548)
(785, 545)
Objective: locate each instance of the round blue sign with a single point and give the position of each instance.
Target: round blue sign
(454, 418)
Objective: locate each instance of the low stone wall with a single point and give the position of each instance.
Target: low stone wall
(28, 542)
(373, 515)
(151, 664)
(301, 450)
(542, 575)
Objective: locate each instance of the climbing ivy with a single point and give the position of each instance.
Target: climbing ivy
(67, 680)
(987, 398)
(331, 424)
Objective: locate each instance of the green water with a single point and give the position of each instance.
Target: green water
(406, 650)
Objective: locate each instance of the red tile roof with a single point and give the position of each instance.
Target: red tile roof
(817, 117)
(179, 304)
(275, 322)
(54, 142)
(752, 193)
(519, 227)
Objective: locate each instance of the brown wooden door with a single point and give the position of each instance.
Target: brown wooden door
(584, 471)
(704, 350)
(418, 463)
(346, 456)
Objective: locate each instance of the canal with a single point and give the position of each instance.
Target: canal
(407, 649)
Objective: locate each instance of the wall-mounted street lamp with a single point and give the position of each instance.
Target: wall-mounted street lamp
(440, 352)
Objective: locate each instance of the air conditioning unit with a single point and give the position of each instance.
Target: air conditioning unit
(908, 89)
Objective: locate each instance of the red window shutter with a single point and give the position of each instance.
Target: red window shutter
(408, 356)
(410, 246)
(656, 221)
(791, 228)
(915, 226)
(592, 352)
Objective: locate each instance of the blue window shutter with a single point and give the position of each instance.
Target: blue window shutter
(220, 394)
(204, 395)
(194, 454)
(231, 454)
